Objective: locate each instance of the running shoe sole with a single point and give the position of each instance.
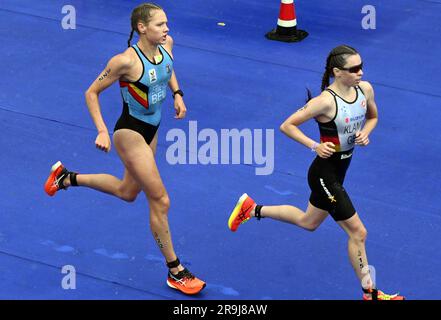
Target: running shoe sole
(236, 211)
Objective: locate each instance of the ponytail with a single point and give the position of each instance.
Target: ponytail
(309, 95)
(130, 38)
(325, 80)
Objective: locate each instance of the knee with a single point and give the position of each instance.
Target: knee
(164, 203)
(161, 203)
(128, 195)
(311, 227)
(359, 234)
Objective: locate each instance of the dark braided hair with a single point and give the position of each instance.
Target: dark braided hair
(130, 38)
(336, 59)
(142, 13)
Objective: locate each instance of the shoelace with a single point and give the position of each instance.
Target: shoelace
(182, 276)
(242, 215)
(185, 274)
(59, 181)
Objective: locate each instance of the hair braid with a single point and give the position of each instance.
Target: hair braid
(130, 38)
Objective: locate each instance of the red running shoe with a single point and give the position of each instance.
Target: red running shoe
(55, 180)
(376, 294)
(241, 212)
(185, 282)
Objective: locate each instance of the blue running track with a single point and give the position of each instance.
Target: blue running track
(233, 78)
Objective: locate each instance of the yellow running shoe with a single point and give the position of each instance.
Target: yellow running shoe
(241, 212)
(375, 294)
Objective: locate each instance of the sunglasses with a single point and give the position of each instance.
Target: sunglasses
(353, 69)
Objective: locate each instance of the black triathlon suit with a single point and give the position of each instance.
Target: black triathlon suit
(326, 176)
(126, 121)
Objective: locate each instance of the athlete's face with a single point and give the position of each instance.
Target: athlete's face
(350, 74)
(156, 30)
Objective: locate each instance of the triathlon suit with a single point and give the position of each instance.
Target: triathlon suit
(326, 176)
(143, 98)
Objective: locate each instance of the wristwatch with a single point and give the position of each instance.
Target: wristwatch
(179, 91)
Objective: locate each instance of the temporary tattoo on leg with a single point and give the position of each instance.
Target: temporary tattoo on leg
(360, 259)
(158, 241)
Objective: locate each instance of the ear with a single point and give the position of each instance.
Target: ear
(336, 72)
(142, 28)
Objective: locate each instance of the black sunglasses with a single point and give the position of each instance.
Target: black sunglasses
(353, 69)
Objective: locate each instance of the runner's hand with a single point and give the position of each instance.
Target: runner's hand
(180, 108)
(325, 149)
(102, 141)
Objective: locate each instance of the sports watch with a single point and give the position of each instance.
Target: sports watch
(179, 91)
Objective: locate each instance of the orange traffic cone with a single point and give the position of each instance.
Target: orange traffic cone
(287, 25)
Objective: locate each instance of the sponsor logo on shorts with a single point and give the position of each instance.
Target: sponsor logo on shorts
(345, 156)
(330, 196)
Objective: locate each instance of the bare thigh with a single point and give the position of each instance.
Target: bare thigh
(129, 184)
(139, 161)
(314, 216)
(154, 143)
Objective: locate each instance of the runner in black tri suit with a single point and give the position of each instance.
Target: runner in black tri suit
(346, 114)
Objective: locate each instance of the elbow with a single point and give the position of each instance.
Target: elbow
(286, 127)
(283, 127)
(89, 95)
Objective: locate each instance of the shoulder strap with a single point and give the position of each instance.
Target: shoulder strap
(359, 88)
(331, 92)
(165, 50)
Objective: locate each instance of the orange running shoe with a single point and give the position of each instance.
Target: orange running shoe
(55, 180)
(376, 294)
(185, 282)
(241, 212)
